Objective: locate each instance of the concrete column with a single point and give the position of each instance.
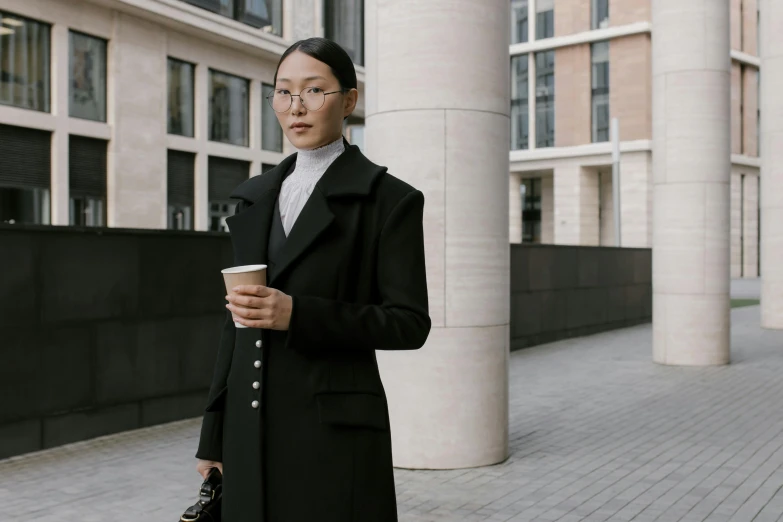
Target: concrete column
(137, 173)
(514, 209)
(691, 168)
(735, 231)
(548, 210)
(60, 199)
(576, 196)
(771, 164)
(448, 402)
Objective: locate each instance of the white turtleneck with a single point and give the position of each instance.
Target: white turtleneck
(297, 187)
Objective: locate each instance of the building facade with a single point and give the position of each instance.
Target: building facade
(146, 113)
(575, 65)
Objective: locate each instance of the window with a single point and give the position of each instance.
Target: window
(25, 79)
(25, 173)
(264, 14)
(180, 170)
(530, 192)
(599, 16)
(181, 97)
(228, 109)
(353, 130)
(344, 24)
(545, 99)
(271, 132)
(87, 181)
(519, 26)
(224, 175)
(600, 91)
(520, 107)
(87, 77)
(545, 19)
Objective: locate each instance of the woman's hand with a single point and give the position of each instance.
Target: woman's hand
(258, 306)
(203, 467)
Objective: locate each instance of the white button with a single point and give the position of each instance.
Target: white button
(259, 344)
(257, 364)
(256, 385)
(254, 404)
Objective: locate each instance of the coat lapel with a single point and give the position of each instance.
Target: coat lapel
(351, 174)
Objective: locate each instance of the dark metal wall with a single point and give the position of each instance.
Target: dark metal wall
(558, 292)
(104, 330)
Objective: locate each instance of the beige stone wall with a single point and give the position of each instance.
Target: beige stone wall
(572, 96)
(750, 78)
(514, 209)
(636, 199)
(623, 12)
(576, 193)
(571, 16)
(750, 27)
(606, 218)
(750, 226)
(735, 7)
(736, 112)
(630, 89)
(547, 209)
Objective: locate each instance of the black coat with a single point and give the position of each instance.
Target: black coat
(318, 449)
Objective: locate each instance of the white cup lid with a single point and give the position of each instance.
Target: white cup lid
(243, 268)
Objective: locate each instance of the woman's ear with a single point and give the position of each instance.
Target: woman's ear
(351, 98)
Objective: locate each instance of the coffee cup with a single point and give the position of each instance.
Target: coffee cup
(243, 275)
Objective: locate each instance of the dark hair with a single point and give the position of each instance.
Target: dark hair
(331, 54)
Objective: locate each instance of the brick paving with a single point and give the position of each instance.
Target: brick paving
(597, 433)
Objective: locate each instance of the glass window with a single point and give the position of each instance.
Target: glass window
(344, 24)
(545, 19)
(599, 18)
(519, 26)
(87, 77)
(24, 63)
(520, 107)
(266, 14)
(181, 97)
(24, 205)
(531, 210)
(86, 211)
(545, 99)
(271, 131)
(228, 109)
(600, 91)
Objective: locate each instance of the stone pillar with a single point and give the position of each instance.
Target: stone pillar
(577, 192)
(750, 220)
(771, 164)
(691, 169)
(448, 402)
(514, 209)
(548, 210)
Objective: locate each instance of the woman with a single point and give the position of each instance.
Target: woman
(297, 417)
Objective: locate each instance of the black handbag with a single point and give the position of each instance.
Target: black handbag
(207, 509)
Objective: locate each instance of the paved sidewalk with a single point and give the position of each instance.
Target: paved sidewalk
(598, 432)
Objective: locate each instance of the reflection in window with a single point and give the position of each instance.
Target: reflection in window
(265, 14)
(599, 18)
(87, 77)
(530, 191)
(24, 205)
(181, 97)
(271, 131)
(86, 211)
(545, 19)
(545, 99)
(228, 109)
(519, 25)
(600, 91)
(24, 63)
(344, 24)
(520, 107)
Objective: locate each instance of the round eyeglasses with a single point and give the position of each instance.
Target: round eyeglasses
(312, 98)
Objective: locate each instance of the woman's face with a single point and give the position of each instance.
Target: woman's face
(306, 128)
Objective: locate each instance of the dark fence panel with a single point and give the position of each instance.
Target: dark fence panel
(104, 330)
(558, 292)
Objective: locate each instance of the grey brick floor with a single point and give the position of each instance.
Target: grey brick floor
(598, 433)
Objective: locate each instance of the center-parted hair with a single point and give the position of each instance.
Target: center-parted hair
(331, 54)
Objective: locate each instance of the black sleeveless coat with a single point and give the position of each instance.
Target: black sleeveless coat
(319, 446)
